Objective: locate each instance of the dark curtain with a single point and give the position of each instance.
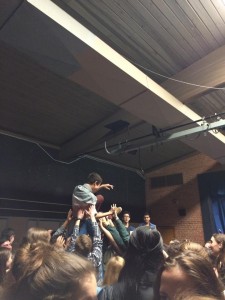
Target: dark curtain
(212, 197)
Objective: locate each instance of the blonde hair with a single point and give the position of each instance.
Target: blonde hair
(113, 268)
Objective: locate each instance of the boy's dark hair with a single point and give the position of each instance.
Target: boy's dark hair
(94, 177)
(83, 245)
(7, 233)
(147, 214)
(126, 212)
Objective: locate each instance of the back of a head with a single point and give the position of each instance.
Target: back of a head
(83, 245)
(145, 240)
(195, 247)
(94, 177)
(49, 273)
(144, 253)
(174, 248)
(143, 257)
(36, 234)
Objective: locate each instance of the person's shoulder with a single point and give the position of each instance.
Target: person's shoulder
(141, 224)
(131, 228)
(82, 188)
(152, 226)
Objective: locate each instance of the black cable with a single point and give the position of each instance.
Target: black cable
(161, 131)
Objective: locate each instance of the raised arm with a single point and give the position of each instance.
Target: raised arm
(109, 236)
(79, 217)
(120, 226)
(106, 186)
(96, 255)
(63, 227)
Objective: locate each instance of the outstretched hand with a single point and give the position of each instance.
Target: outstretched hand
(106, 186)
(91, 211)
(114, 210)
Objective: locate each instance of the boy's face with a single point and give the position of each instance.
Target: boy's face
(147, 219)
(95, 186)
(126, 218)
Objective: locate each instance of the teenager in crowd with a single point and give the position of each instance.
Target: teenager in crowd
(147, 219)
(47, 273)
(126, 222)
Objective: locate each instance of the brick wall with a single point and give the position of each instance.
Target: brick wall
(164, 203)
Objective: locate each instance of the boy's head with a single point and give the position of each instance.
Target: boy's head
(95, 180)
(126, 217)
(147, 218)
(83, 245)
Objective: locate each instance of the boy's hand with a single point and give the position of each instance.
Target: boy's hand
(107, 186)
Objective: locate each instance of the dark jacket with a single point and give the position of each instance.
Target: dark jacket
(142, 291)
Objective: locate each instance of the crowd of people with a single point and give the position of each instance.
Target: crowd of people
(100, 255)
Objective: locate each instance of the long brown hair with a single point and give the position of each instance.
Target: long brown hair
(199, 270)
(36, 234)
(45, 272)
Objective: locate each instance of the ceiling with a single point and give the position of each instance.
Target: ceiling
(114, 80)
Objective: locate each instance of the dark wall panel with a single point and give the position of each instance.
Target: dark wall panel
(33, 184)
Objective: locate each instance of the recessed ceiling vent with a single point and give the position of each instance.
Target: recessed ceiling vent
(117, 126)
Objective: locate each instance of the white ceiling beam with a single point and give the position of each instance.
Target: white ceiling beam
(78, 30)
(154, 97)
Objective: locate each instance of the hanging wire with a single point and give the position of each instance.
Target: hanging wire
(173, 79)
(60, 161)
